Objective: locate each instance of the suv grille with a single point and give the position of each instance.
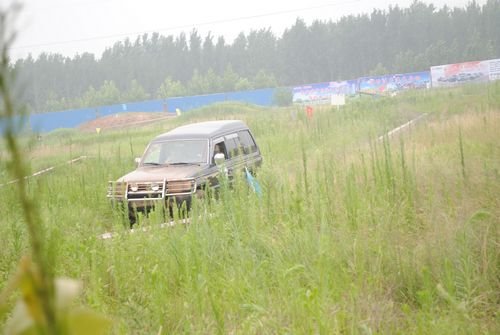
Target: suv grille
(181, 186)
(145, 190)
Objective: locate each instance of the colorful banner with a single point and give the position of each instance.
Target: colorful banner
(465, 73)
(388, 84)
(321, 93)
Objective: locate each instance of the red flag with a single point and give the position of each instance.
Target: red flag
(309, 112)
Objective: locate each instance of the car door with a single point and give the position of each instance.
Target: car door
(251, 152)
(235, 161)
(217, 145)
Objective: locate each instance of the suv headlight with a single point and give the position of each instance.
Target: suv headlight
(134, 187)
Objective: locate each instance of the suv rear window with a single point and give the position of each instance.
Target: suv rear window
(233, 145)
(240, 143)
(247, 142)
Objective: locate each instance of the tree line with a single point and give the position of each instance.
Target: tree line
(396, 40)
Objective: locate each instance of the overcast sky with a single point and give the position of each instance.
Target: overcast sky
(77, 26)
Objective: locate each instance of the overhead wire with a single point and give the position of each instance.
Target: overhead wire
(193, 25)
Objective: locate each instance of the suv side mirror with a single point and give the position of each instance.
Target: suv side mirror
(137, 160)
(219, 158)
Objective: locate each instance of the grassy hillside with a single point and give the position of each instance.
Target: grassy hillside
(353, 235)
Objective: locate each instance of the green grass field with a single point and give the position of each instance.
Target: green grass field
(352, 235)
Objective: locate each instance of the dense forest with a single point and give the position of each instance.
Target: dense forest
(155, 66)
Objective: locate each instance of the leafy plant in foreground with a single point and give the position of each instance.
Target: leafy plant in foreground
(45, 305)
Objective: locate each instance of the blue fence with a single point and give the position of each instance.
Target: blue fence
(45, 122)
(262, 97)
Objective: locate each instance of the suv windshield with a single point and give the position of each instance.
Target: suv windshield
(176, 152)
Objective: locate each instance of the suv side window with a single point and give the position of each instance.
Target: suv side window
(219, 147)
(247, 142)
(233, 144)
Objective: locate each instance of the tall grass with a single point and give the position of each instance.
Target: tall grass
(351, 235)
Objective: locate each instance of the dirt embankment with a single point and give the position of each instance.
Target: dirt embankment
(122, 120)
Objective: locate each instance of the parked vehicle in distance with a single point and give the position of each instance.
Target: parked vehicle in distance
(183, 163)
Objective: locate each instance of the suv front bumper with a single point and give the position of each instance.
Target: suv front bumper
(143, 195)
